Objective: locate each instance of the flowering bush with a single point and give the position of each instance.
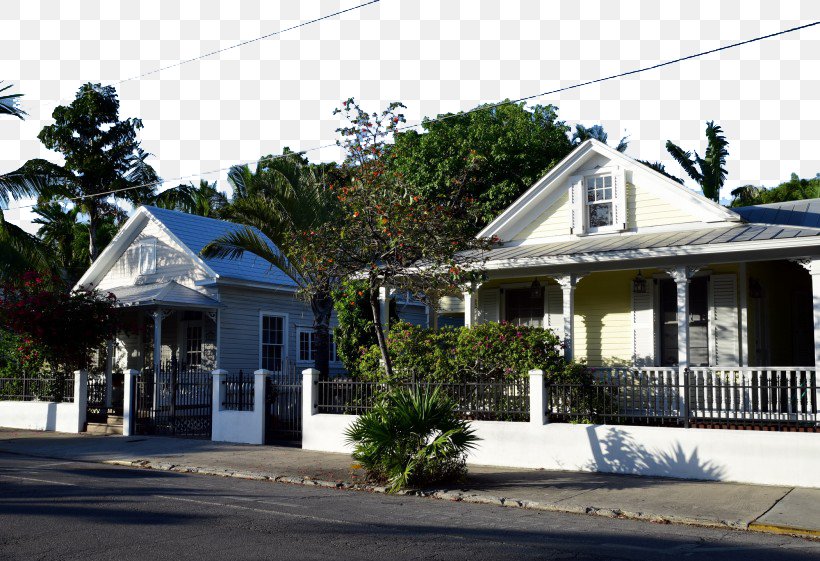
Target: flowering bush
(494, 350)
(63, 327)
(19, 356)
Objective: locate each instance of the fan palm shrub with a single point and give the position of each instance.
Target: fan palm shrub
(412, 437)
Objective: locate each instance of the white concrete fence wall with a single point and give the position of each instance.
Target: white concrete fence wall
(246, 427)
(49, 415)
(769, 458)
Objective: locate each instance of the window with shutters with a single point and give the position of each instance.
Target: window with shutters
(599, 201)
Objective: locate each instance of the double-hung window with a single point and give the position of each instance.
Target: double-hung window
(307, 346)
(273, 342)
(147, 256)
(599, 201)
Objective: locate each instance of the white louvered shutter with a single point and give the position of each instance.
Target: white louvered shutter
(619, 198)
(726, 328)
(643, 329)
(489, 303)
(576, 198)
(553, 309)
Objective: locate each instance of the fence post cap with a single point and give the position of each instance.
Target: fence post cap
(310, 372)
(132, 372)
(81, 371)
(219, 372)
(536, 372)
(263, 372)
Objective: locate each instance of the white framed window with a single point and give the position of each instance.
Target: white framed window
(306, 341)
(272, 341)
(147, 255)
(600, 203)
(193, 344)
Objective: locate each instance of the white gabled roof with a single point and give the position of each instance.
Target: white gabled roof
(519, 214)
(191, 233)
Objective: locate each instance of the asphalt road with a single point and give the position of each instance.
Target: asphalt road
(51, 509)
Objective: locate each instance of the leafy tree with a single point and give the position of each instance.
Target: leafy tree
(391, 234)
(597, 132)
(65, 326)
(102, 159)
(709, 173)
(281, 201)
(354, 333)
(8, 103)
(660, 168)
(794, 189)
(491, 154)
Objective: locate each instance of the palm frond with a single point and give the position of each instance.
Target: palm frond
(36, 177)
(8, 104)
(684, 159)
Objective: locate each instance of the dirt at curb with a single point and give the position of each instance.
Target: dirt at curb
(457, 495)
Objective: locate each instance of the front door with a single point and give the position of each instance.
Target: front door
(698, 322)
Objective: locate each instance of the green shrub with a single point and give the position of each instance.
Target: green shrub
(490, 350)
(412, 438)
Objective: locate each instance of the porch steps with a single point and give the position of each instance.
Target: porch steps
(113, 426)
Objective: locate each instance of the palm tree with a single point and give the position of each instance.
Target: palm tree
(203, 200)
(597, 132)
(281, 200)
(660, 168)
(710, 173)
(8, 103)
(20, 250)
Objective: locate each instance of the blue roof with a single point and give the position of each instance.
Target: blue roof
(197, 231)
(804, 212)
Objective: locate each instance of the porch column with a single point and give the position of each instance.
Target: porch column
(814, 271)
(568, 284)
(681, 276)
(158, 316)
(470, 306)
(109, 371)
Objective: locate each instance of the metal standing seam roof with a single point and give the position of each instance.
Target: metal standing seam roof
(804, 212)
(604, 244)
(165, 293)
(197, 231)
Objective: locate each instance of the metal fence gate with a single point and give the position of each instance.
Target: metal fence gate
(174, 402)
(283, 405)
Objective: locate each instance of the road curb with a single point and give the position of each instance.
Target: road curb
(784, 530)
(459, 496)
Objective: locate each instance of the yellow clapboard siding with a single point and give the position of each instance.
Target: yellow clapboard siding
(603, 318)
(555, 221)
(649, 209)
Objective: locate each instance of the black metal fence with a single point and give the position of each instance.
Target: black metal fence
(489, 400)
(239, 392)
(57, 387)
(176, 401)
(96, 409)
(283, 405)
(769, 398)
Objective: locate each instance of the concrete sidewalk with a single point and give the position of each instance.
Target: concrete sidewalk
(788, 510)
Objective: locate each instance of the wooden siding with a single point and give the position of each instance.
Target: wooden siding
(603, 318)
(554, 221)
(646, 208)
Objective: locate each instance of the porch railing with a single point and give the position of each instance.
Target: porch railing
(769, 398)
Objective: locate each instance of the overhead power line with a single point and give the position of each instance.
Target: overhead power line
(248, 42)
(480, 108)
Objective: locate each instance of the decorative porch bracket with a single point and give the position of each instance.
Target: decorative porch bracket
(568, 284)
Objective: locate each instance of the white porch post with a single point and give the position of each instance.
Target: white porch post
(681, 276)
(538, 398)
(568, 284)
(158, 316)
(814, 270)
(109, 371)
(470, 307)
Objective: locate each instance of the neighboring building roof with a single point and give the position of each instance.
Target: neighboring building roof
(805, 212)
(166, 293)
(609, 246)
(197, 231)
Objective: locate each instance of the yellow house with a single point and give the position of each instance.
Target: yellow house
(633, 269)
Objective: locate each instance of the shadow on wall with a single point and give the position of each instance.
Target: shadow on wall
(619, 452)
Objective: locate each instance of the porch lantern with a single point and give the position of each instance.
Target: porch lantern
(535, 289)
(639, 284)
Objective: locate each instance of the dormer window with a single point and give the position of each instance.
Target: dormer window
(599, 201)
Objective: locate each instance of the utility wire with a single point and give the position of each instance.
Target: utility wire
(248, 42)
(479, 108)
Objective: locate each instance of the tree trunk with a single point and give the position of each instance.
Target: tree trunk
(322, 306)
(377, 323)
